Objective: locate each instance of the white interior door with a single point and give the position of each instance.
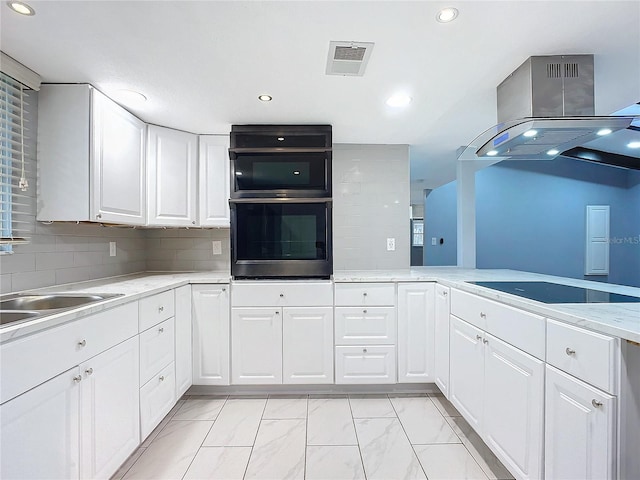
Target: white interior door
(597, 236)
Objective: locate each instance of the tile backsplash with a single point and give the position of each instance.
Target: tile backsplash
(187, 250)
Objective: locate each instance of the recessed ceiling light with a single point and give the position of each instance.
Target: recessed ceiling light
(21, 8)
(399, 100)
(281, 139)
(492, 153)
(552, 152)
(530, 133)
(447, 15)
(633, 144)
(296, 172)
(130, 98)
(238, 173)
(604, 131)
(265, 98)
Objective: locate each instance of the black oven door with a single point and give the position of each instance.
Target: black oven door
(281, 175)
(281, 239)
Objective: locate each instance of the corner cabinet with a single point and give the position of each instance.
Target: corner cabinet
(172, 177)
(214, 181)
(91, 156)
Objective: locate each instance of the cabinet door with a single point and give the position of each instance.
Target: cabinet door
(365, 364)
(256, 346)
(466, 383)
(441, 339)
(110, 419)
(415, 332)
(39, 431)
(210, 321)
(157, 397)
(117, 167)
(365, 326)
(184, 370)
(172, 176)
(307, 345)
(579, 429)
(513, 415)
(157, 349)
(214, 180)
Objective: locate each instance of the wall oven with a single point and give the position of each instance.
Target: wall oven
(281, 209)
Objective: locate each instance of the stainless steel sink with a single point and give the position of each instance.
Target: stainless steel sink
(20, 307)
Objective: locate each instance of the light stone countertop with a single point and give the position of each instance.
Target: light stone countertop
(621, 320)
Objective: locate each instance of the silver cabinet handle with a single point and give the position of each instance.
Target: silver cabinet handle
(82, 343)
(89, 371)
(161, 378)
(570, 351)
(224, 289)
(193, 222)
(483, 315)
(364, 294)
(445, 294)
(596, 403)
(99, 215)
(478, 337)
(364, 311)
(282, 295)
(161, 309)
(277, 312)
(364, 350)
(161, 329)
(77, 378)
(485, 341)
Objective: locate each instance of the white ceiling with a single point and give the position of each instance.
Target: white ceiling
(202, 64)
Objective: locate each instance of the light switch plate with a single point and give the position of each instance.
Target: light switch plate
(217, 247)
(112, 249)
(391, 244)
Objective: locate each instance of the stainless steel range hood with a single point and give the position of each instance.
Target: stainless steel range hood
(546, 109)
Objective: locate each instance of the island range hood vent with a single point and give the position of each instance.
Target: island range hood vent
(546, 109)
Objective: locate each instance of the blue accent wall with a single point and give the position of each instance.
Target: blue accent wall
(440, 222)
(530, 215)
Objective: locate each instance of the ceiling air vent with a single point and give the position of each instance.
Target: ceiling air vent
(348, 58)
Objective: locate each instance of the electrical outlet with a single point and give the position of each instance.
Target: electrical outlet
(112, 249)
(217, 247)
(434, 241)
(391, 244)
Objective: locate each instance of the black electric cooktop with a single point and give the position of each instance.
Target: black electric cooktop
(547, 292)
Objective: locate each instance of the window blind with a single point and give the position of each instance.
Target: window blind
(16, 195)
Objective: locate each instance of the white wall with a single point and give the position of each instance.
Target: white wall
(370, 204)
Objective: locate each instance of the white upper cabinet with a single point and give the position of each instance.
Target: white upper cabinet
(172, 177)
(214, 181)
(91, 156)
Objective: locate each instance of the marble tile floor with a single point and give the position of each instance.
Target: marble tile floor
(313, 437)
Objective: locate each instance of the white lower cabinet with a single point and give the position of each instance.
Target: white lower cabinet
(83, 423)
(157, 398)
(256, 346)
(580, 429)
(210, 322)
(307, 345)
(110, 422)
(441, 338)
(157, 349)
(364, 364)
(416, 311)
(499, 389)
(39, 434)
(184, 356)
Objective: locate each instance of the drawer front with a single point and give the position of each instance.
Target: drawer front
(521, 329)
(155, 309)
(30, 361)
(156, 349)
(365, 326)
(364, 294)
(281, 294)
(590, 356)
(367, 364)
(157, 398)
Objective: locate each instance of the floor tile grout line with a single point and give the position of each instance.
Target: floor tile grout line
(246, 468)
(306, 438)
(464, 444)
(205, 437)
(353, 420)
(408, 439)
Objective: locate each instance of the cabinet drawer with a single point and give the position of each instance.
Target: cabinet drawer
(521, 329)
(157, 398)
(364, 294)
(366, 364)
(29, 361)
(590, 356)
(156, 349)
(281, 294)
(365, 326)
(155, 309)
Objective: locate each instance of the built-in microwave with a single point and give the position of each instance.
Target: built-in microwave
(281, 238)
(275, 161)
